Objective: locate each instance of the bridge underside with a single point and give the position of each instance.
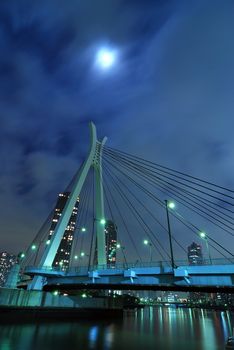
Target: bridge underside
(215, 278)
(68, 288)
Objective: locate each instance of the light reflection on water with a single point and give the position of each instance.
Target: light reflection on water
(149, 328)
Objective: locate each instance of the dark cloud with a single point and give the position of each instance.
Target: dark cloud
(169, 98)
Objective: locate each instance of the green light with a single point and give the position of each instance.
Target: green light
(83, 229)
(82, 254)
(84, 295)
(48, 242)
(34, 247)
(60, 263)
(103, 221)
(22, 255)
(171, 205)
(76, 257)
(202, 234)
(146, 241)
(55, 292)
(118, 246)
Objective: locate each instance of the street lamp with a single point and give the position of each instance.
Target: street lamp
(146, 242)
(119, 246)
(34, 247)
(170, 205)
(37, 249)
(22, 255)
(203, 235)
(80, 256)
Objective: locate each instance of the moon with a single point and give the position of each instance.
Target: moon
(105, 58)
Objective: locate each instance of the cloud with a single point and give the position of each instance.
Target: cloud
(169, 99)
(187, 103)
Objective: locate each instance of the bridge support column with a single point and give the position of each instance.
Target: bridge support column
(99, 214)
(94, 159)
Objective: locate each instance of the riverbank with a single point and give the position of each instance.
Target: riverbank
(192, 306)
(23, 305)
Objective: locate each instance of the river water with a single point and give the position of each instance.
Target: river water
(149, 328)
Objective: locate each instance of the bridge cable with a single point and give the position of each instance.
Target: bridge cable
(81, 212)
(221, 246)
(114, 221)
(210, 238)
(137, 216)
(123, 220)
(179, 182)
(155, 182)
(155, 165)
(149, 194)
(85, 221)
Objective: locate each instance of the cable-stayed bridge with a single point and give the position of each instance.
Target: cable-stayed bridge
(125, 223)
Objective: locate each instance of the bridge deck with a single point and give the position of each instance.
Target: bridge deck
(187, 276)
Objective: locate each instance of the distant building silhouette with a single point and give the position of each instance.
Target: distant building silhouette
(195, 256)
(6, 262)
(62, 257)
(111, 242)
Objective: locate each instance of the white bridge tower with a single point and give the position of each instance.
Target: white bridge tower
(94, 159)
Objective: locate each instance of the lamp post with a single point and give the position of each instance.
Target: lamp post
(119, 246)
(146, 242)
(170, 205)
(81, 260)
(203, 235)
(35, 248)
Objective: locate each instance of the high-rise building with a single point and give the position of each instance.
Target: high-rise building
(111, 242)
(62, 257)
(195, 256)
(6, 262)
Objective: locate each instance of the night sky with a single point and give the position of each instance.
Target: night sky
(168, 97)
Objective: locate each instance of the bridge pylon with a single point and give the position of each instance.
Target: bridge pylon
(94, 159)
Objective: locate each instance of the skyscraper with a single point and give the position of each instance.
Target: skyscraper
(6, 262)
(62, 257)
(195, 256)
(111, 242)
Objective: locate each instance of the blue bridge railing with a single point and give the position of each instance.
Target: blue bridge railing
(124, 266)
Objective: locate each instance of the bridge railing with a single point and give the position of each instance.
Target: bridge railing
(125, 266)
(162, 264)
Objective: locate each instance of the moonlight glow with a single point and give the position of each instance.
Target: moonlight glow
(105, 58)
